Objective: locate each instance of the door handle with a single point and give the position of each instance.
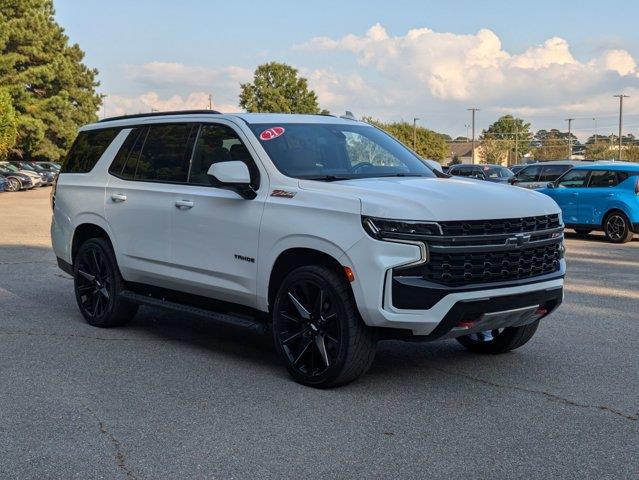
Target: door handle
(118, 198)
(184, 204)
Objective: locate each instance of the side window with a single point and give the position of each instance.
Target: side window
(166, 153)
(87, 150)
(573, 179)
(463, 171)
(218, 143)
(603, 178)
(120, 167)
(550, 173)
(528, 174)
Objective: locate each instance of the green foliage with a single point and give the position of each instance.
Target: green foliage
(630, 153)
(8, 124)
(53, 92)
(599, 151)
(553, 145)
(276, 88)
(429, 144)
(508, 138)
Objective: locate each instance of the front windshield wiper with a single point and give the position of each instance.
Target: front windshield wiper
(398, 175)
(327, 178)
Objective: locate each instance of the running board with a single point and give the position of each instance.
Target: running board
(220, 318)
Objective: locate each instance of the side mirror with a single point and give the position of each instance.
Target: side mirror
(233, 176)
(550, 185)
(512, 180)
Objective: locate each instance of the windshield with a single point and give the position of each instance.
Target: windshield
(337, 152)
(497, 172)
(10, 167)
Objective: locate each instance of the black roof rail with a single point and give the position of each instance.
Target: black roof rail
(160, 114)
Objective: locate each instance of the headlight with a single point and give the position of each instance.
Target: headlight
(381, 228)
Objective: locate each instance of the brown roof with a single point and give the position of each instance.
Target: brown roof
(461, 149)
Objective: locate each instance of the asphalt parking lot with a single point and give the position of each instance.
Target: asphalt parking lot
(176, 397)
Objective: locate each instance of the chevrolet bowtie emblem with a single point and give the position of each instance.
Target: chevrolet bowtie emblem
(518, 239)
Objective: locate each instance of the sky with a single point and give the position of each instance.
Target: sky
(544, 61)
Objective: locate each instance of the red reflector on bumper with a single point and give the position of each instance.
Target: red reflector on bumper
(468, 324)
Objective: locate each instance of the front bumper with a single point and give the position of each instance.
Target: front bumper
(372, 262)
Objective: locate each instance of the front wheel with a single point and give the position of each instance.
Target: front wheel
(318, 331)
(499, 341)
(617, 228)
(14, 185)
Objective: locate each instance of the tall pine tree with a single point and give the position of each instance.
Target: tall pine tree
(53, 92)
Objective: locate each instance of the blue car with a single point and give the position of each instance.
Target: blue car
(599, 197)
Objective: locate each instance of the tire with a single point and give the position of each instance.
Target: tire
(582, 232)
(14, 185)
(97, 282)
(501, 341)
(318, 331)
(617, 228)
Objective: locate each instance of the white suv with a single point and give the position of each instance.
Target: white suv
(326, 231)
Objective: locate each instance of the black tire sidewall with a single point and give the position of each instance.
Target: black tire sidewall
(628, 233)
(317, 275)
(105, 250)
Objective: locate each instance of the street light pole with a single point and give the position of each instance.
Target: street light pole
(473, 110)
(621, 97)
(569, 120)
(595, 122)
(415, 133)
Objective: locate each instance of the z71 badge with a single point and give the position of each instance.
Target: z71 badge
(282, 194)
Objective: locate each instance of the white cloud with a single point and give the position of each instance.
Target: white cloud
(151, 101)
(424, 68)
(172, 73)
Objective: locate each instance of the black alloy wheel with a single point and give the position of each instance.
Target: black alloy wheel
(317, 329)
(94, 283)
(98, 283)
(308, 330)
(617, 228)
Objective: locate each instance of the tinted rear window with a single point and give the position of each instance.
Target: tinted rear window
(129, 150)
(87, 150)
(167, 153)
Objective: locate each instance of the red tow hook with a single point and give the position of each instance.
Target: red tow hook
(541, 311)
(466, 324)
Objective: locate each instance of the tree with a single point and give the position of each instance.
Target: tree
(599, 151)
(507, 138)
(53, 92)
(552, 145)
(8, 124)
(631, 153)
(431, 145)
(276, 88)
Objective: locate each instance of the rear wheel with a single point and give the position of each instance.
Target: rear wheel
(318, 331)
(98, 283)
(499, 341)
(617, 228)
(582, 232)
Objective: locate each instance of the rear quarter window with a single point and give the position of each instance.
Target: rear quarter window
(87, 150)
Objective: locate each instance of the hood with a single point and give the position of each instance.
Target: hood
(440, 199)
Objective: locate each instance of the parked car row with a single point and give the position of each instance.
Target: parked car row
(19, 175)
(593, 196)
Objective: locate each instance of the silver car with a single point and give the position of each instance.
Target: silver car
(538, 175)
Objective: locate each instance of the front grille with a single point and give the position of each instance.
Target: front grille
(484, 251)
(457, 269)
(501, 226)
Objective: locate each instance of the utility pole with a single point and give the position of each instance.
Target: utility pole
(594, 120)
(569, 120)
(467, 131)
(621, 97)
(516, 147)
(210, 102)
(473, 110)
(415, 133)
